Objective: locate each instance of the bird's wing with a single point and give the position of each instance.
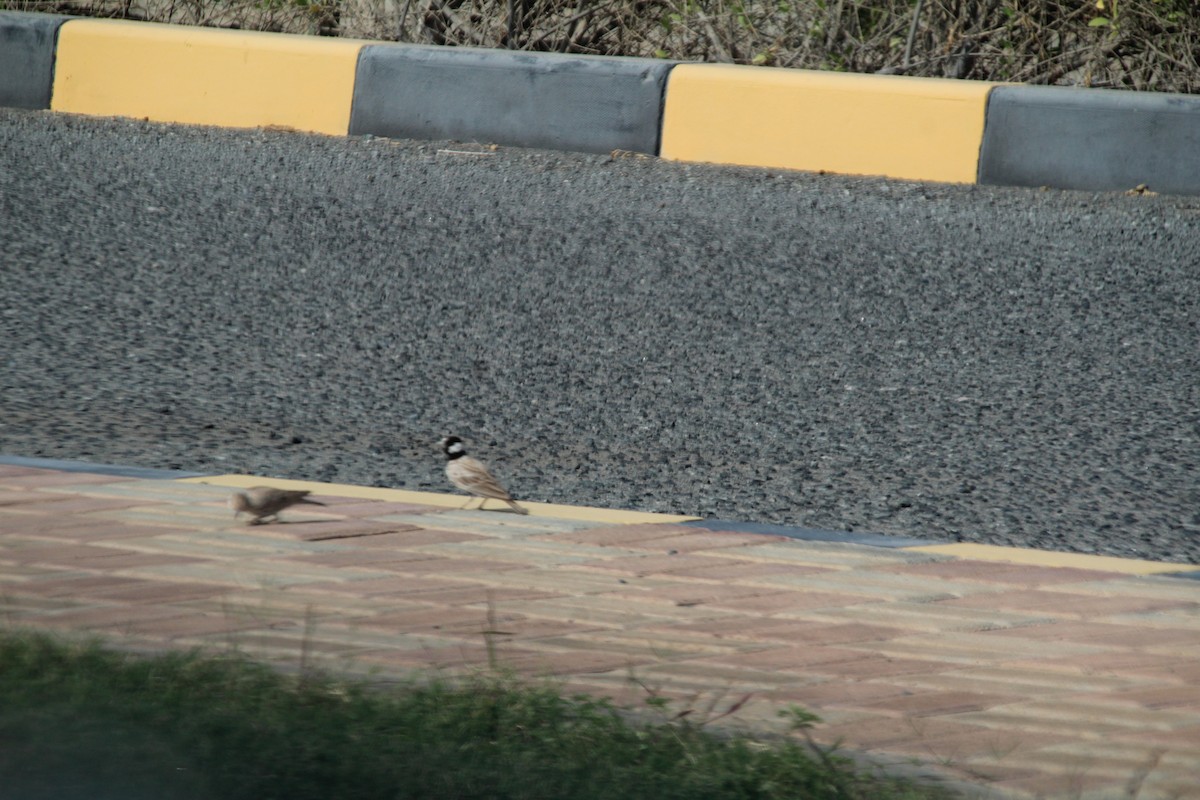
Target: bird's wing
(475, 478)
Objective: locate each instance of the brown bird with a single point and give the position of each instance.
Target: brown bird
(262, 502)
(470, 475)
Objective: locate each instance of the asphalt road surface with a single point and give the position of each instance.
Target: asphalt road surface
(956, 363)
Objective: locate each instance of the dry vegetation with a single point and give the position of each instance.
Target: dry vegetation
(1132, 44)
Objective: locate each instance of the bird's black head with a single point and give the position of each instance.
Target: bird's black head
(452, 446)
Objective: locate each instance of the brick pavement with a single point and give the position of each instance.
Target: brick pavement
(1033, 675)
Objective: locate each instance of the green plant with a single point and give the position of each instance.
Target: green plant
(79, 720)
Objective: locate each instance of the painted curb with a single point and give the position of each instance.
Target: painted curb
(964, 550)
(911, 128)
(204, 76)
(547, 100)
(27, 58)
(1093, 139)
(898, 127)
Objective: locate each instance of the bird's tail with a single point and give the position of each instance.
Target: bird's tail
(517, 507)
(306, 501)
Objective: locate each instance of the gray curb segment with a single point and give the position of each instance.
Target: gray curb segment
(1091, 139)
(557, 102)
(27, 58)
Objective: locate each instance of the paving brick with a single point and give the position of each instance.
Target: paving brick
(834, 693)
(1129, 663)
(32, 524)
(1100, 633)
(75, 504)
(604, 609)
(87, 556)
(879, 732)
(706, 676)
(195, 517)
(1093, 717)
(1176, 696)
(689, 593)
(980, 648)
(314, 530)
(656, 564)
(567, 581)
(61, 481)
(356, 507)
(14, 497)
(789, 604)
(1028, 681)
(389, 585)
(746, 572)
(939, 703)
(116, 618)
(933, 617)
(94, 531)
(876, 585)
(453, 657)
(526, 552)
(870, 667)
(474, 623)
(992, 572)
(478, 595)
(450, 566)
(570, 662)
(817, 633)
(788, 658)
(1075, 784)
(84, 585)
(424, 619)
(667, 643)
(382, 560)
(1067, 604)
(497, 525)
(412, 537)
(625, 535)
(696, 542)
(190, 626)
(161, 592)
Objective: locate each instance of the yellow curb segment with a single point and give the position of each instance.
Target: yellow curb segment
(1046, 558)
(900, 127)
(605, 515)
(201, 76)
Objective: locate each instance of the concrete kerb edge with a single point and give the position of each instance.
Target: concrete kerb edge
(860, 539)
(31, 80)
(1083, 174)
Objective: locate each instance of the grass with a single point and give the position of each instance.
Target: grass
(82, 721)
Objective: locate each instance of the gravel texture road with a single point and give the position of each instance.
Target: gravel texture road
(951, 362)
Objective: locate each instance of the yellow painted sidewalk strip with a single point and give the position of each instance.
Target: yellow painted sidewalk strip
(1045, 558)
(901, 127)
(204, 76)
(605, 515)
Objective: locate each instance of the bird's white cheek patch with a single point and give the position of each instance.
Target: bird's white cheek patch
(455, 448)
